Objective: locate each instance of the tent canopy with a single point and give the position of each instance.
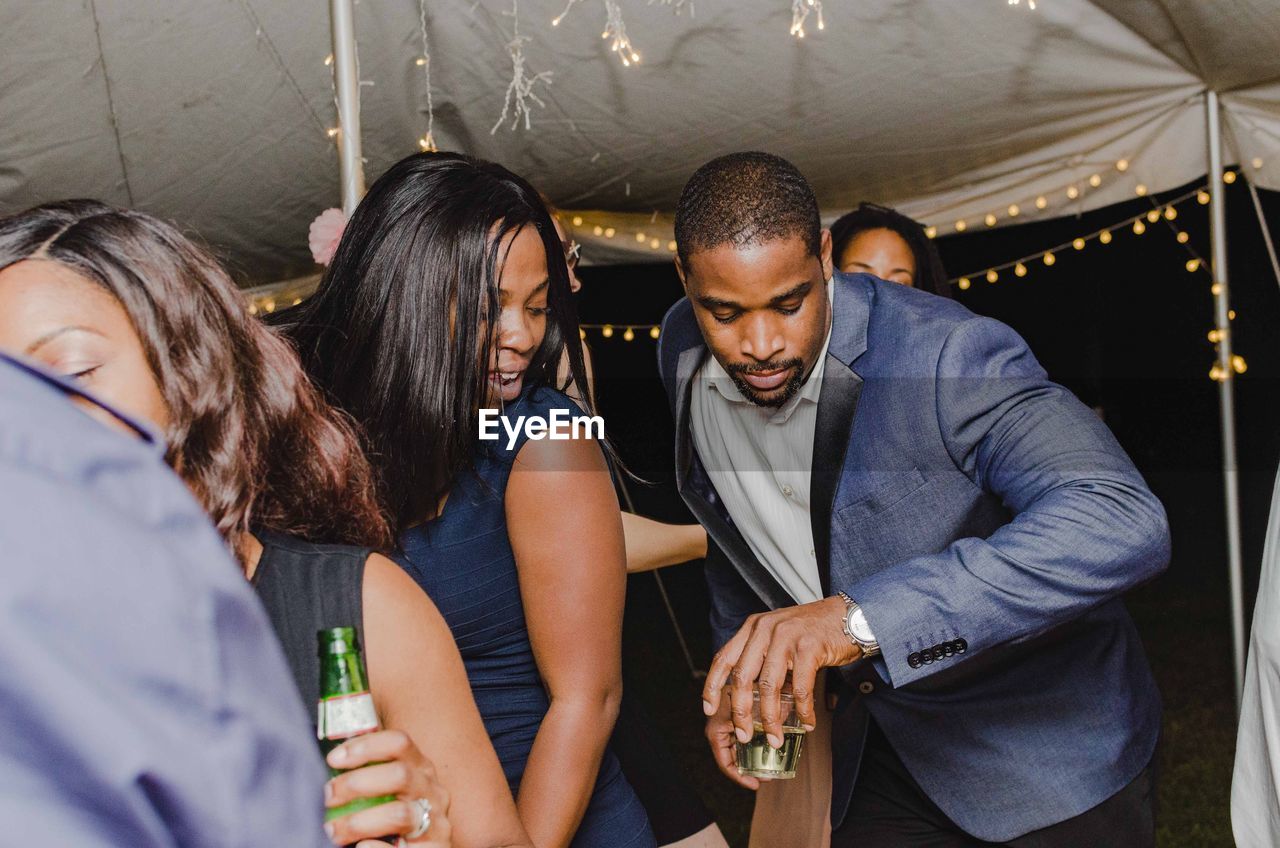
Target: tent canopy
(215, 114)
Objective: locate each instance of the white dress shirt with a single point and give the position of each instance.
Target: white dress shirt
(760, 461)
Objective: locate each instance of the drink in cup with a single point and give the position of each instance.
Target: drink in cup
(758, 758)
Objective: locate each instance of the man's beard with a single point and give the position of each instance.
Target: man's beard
(778, 396)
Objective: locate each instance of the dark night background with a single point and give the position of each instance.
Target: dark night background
(1124, 326)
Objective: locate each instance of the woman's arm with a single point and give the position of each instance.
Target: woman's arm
(565, 530)
(652, 544)
(421, 688)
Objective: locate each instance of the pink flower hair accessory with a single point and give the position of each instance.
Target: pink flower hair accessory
(325, 233)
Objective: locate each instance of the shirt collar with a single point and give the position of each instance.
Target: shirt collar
(148, 435)
(718, 380)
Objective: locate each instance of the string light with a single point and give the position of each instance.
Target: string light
(1139, 228)
(1049, 259)
(607, 331)
(800, 11)
(1215, 336)
(1170, 213)
(992, 276)
(628, 335)
(1215, 289)
(931, 232)
(555, 22)
(610, 232)
(1105, 237)
(1122, 165)
(654, 332)
(640, 237)
(328, 60)
(671, 245)
(427, 143)
(1078, 244)
(1042, 202)
(1020, 270)
(1256, 163)
(1193, 265)
(1238, 364)
(963, 284)
(1202, 197)
(332, 132)
(655, 243)
(1072, 192)
(615, 32)
(1229, 177)
(1217, 374)
(598, 230)
(961, 226)
(582, 334)
(990, 220)
(1183, 237)
(521, 88)
(1153, 215)
(1014, 210)
(1095, 180)
(1141, 190)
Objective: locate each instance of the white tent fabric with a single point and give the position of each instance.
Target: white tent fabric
(215, 113)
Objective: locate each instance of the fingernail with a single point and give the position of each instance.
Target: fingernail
(743, 736)
(774, 741)
(337, 757)
(808, 728)
(707, 709)
(328, 793)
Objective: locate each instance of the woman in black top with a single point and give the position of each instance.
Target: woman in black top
(149, 322)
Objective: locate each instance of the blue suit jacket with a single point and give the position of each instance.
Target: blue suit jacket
(987, 522)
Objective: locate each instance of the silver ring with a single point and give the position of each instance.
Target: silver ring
(423, 806)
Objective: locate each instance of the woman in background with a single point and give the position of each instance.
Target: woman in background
(881, 241)
(127, 306)
(448, 293)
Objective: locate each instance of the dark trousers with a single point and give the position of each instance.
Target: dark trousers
(890, 810)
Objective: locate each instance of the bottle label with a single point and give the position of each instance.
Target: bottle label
(344, 716)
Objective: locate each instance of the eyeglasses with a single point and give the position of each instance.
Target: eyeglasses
(572, 253)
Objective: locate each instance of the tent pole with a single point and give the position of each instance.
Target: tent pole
(1226, 394)
(347, 85)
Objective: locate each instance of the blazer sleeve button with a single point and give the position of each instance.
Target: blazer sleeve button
(961, 646)
(913, 660)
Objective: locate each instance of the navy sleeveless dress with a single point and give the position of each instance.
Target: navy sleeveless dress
(463, 560)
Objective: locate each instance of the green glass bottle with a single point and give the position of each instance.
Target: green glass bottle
(346, 707)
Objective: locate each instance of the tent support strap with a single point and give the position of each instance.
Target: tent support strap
(1226, 393)
(347, 86)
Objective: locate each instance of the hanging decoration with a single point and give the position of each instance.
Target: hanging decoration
(615, 32)
(521, 89)
(428, 140)
(800, 11)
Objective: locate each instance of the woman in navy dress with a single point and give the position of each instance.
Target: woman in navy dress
(449, 294)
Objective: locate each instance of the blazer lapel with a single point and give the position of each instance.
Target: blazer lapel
(837, 404)
(698, 492)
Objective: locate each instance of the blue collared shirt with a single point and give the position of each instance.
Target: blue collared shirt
(144, 700)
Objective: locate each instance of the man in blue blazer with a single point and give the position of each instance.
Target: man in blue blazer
(896, 490)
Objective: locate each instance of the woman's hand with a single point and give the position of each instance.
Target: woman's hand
(386, 763)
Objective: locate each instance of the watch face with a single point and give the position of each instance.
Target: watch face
(858, 626)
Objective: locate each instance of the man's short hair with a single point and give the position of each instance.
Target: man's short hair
(744, 199)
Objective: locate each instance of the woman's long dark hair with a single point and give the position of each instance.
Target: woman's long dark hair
(930, 275)
(248, 432)
(398, 332)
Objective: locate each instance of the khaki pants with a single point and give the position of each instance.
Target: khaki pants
(796, 813)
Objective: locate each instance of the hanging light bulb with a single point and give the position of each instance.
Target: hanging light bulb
(671, 245)
(1095, 180)
(1049, 259)
(992, 276)
(1231, 315)
(577, 220)
(654, 332)
(253, 308)
(990, 220)
(1042, 202)
(655, 243)
(1215, 336)
(1020, 270)
(961, 226)
(628, 335)
(964, 284)
(1238, 364)
(610, 232)
(1072, 192)
(1013, 210)
(1183, 237)
(1105, 237)
(1193, 265)
(1215, 289)
(931, 232)
(1170, 213)
(607, 331)
(1229, 177)
(582, 334)
(1139, 228)
(1078, 244)
(1217, 374)
(640, 237)
(1141, 190)
(1256, 163)
(1122, 165)
(1153, 215)
(332, 132)
(598, 230)
(1202, 197)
